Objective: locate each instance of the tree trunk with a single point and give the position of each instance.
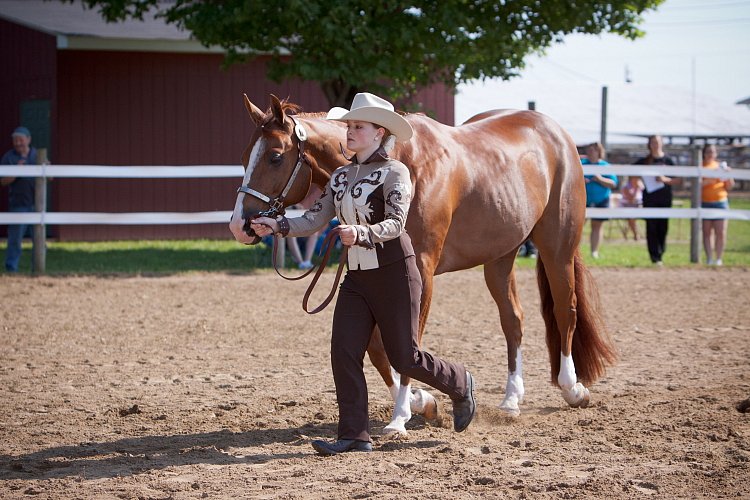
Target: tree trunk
(339, 93)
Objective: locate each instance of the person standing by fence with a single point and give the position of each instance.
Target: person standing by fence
(657, 193)
(632, 197)
(598, 191)
(20, 193)
(714, 194)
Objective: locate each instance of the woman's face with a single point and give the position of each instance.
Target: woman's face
(709, 153)
(655, 144)
(361, 136)
(592, 153)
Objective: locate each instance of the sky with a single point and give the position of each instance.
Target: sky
(700, 46)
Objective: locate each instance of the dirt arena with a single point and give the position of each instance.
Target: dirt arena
(213, 386)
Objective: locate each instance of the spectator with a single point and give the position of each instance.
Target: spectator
(20, 193)
(632, 197)
(598, 191)
(527, 249)
(657, 193)
(714, 195)
(310, 241)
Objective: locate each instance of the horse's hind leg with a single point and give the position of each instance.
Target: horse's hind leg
(501, 281)
(559, 302)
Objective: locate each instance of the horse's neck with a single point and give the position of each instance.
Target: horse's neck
(325, 144)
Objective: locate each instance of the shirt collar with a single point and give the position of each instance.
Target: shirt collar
(378, 155)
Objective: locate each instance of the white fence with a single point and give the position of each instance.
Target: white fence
(44, 172)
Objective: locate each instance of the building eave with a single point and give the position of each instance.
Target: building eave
(78, 42)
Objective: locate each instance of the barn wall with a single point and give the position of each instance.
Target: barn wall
(120, 108)
(156, 109)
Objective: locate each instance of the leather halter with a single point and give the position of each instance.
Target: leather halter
(276, 205)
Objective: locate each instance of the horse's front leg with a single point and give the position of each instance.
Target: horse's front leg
(406, 400)
(501, 281)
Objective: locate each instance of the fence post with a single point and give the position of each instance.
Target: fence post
(695, 202)
(39, 259)
(281, 252)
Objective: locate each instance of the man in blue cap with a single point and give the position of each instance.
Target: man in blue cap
(20, 194)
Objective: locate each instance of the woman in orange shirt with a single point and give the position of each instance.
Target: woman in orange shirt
(714, 195)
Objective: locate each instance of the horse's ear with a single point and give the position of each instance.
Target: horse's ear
(277, 110)
(255, 113)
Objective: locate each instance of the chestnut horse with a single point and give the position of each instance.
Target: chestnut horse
(480, 190)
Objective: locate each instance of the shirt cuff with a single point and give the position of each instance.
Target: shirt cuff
(283, 223)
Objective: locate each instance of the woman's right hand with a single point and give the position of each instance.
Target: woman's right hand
(263, 226)
(348, 235)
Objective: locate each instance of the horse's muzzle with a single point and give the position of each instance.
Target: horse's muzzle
(242, 231)
(249, 231)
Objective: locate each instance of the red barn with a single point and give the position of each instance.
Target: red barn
(135, 93)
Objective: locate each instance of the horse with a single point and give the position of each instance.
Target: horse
(481, 190)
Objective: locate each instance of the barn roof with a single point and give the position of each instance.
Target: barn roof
(78, 27)
(633, 111)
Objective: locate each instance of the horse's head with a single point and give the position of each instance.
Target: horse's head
(277, 171)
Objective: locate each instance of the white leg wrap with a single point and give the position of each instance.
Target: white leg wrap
(573, 392)
(514, 389)
(396, 376)
(401, 411)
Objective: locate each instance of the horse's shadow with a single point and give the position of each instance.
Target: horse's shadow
(131, 456)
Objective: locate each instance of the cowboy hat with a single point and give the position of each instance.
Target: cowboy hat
(368, 107)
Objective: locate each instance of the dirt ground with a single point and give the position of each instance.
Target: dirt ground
(213, 386)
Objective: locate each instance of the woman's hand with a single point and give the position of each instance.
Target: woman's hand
(348, 235)
(263, 226)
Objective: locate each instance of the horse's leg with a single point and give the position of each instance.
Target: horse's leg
(417, 401)
(559, 301)
(407, 401)
(400, 393)
(501, 281)
(379, 359)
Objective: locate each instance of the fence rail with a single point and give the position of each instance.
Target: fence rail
(43, 173)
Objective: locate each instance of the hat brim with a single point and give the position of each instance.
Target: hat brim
(395, 123)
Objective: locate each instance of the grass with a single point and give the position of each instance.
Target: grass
(180, 256)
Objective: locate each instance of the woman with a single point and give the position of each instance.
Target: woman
(714, 195)
(371, 197)
(598, 191)
(657, 193)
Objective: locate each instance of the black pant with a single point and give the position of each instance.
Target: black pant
(389, 297)
(656, 229)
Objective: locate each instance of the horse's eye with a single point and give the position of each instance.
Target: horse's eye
(275, 157)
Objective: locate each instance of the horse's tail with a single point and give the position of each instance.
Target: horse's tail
(593, 349)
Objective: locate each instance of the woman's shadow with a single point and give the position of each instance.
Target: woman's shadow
(130, 456)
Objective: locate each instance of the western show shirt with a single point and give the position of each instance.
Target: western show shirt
(374, 197)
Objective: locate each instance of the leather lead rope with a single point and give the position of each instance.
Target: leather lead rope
(328, 244)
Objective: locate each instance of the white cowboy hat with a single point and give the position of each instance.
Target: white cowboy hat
(368, 107)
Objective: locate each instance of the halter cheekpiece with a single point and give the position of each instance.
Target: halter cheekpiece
(276, 205)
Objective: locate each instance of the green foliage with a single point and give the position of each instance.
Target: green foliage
(389, 47)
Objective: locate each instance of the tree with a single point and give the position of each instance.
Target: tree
(388, 47)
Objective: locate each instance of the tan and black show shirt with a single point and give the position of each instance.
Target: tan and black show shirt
(373, 196)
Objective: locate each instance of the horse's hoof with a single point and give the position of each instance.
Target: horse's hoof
(394, 432)
(510, 411)
(584, 401)
(431, 411)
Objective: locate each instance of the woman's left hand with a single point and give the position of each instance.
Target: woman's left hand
(348, 235)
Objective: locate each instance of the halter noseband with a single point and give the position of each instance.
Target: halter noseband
(277, 204)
